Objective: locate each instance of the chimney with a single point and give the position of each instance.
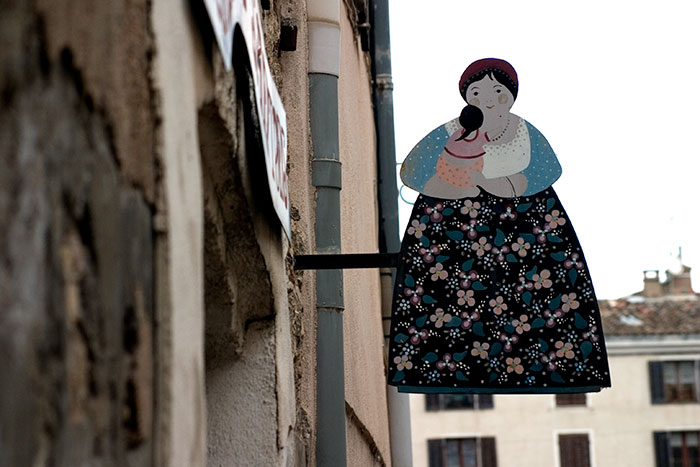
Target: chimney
(679, 284)
(652, 286)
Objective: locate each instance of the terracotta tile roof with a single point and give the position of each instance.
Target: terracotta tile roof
(673, 315)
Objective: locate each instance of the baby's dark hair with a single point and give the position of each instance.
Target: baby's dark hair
(471, 116)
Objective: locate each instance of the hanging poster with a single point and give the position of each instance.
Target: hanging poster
(492, 292)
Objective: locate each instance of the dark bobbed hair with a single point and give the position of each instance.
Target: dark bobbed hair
(471, 117)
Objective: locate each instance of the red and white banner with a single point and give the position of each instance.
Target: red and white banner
(225, 16)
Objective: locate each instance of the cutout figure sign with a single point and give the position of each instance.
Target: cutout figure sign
(492, 293)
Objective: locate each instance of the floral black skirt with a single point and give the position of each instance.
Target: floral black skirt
(493, 295)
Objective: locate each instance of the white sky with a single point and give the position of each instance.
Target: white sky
(615, 88)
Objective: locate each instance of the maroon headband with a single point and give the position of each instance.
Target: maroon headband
(487, 64)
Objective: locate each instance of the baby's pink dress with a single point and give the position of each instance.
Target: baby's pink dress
(467, 149)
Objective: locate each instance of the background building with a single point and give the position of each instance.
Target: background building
(150, 313)
(649, 418)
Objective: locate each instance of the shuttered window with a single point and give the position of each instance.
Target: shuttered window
(574, 450)
(677, 449)
(462, 452)
(458, 401)
(674, 381)
(570, 399)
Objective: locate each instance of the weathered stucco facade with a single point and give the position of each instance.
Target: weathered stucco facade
(149, 309)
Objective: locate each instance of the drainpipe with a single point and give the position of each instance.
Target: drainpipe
(399, 408)
(324, 68)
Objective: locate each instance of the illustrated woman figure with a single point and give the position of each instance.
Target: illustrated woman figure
(492, 292)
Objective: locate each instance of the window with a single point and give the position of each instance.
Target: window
(677, 448)
(574, 450)
(462, 452)
(570, 399)
(674, 381)
(458, 401)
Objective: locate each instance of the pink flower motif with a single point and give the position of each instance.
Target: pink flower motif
(465, 297)
(434, 212)
(429, 253)
(509, 213)
(508, 341)
(440, 317)
(591, 334)
(541, 233)
(542, 279)
(550, 360)
(552, 316)
(523, 285)
(569, 302)
(565, 350)
(468, 319)
(464, 280)
(470, 229)
(481, 247)
(521, 247)
(416, 228)
(482, 350)
(446, 362)
(500, 253)
(414, 294)
(402, 363)
(417, 335)
(497, 305)
(573, 262)
(513, 365)
(470, 208)
(555, 220)
(438, 272)
(521, 325)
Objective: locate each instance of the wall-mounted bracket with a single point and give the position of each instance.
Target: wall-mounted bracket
(347, 261)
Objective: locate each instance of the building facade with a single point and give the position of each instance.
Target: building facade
(650, 417)
(150, 312)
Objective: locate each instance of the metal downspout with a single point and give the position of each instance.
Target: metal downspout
(324, 68)
(399, 407)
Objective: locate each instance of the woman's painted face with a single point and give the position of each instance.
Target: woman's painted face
(491, 97)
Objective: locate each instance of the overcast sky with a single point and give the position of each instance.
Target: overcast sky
(613, 85)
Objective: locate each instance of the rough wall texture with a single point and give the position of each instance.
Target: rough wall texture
(76, 272)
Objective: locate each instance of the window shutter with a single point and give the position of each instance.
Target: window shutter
(697, 380)
(656, 381)
(485, 401)
(574, 451)
(662, 449)
(488, 452)
(432, 402)
(435, 453)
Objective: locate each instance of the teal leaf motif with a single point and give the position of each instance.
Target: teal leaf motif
(554, 239)
(586, 349)
(550, 204)
(579, 322)
(543, 345)
(479, 329)
(538, 323)
(555, 302)
(460, 376)
(573, 275)
(529, 238)
(509, 328)
(428, 299)
(400, 338)
(424, 241)
(493, 377)
(431, 357)
(558, 256)
(495, 349)
(478, 286)
(467, 265)
(455, 235)
(421, 321)
(531, 273)
(398, 376)
(500, 238)
(511, 258)
(442, 258)
(409, 281)
(536, 367)
(482, 228)
(453, 323)
(448, 211)
(556, 377)
(527, 297)
(424, 219)
(460, 356)
(523, 207)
